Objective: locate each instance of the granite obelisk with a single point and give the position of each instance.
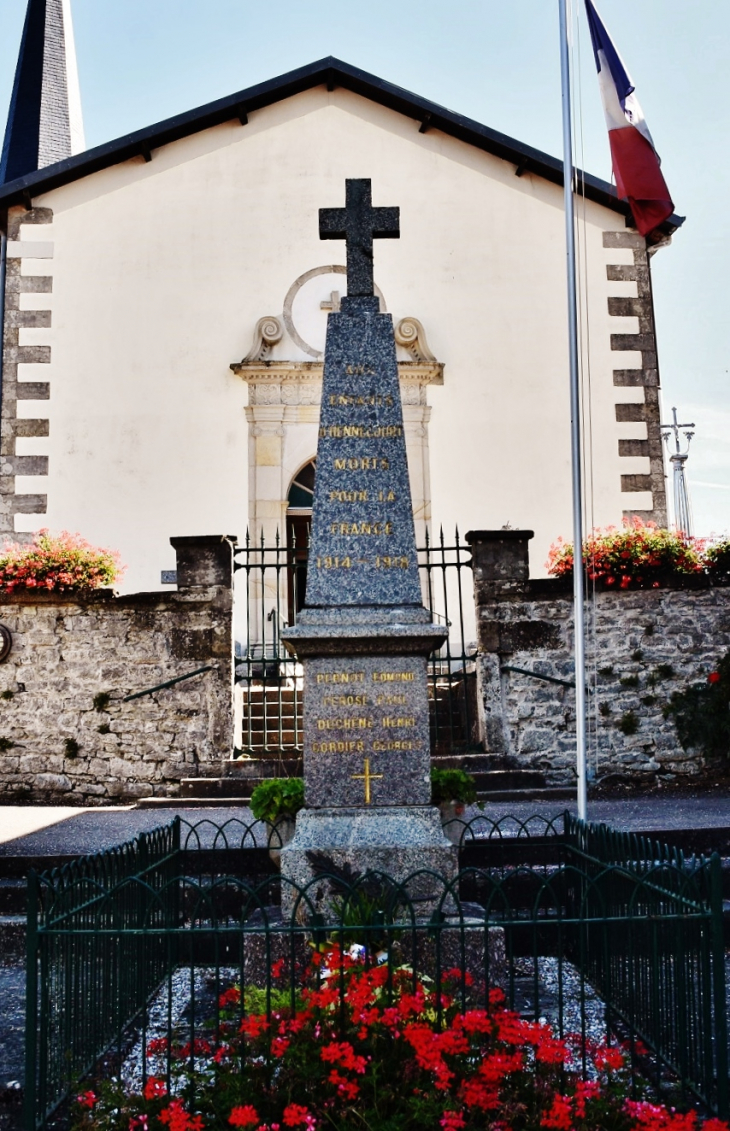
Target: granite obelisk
(364, 636)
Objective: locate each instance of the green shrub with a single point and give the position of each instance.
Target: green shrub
(277, 798)
(702, 712)
(102, 700)
(452, 785)
(71, 748)
(628, 723)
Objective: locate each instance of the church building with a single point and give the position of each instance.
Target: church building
(164, 299)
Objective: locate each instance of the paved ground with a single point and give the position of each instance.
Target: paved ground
(34, 830)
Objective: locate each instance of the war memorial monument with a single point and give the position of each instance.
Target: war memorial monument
(363, 635)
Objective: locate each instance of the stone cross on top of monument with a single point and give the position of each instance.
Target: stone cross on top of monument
(359, 224)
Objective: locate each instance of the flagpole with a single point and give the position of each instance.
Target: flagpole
(575, 440)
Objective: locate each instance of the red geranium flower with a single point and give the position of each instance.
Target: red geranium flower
(713, 677)
(155, 1087)
(244, 1116)
(294, 1114)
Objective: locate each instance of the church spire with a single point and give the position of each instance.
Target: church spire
(44, 121)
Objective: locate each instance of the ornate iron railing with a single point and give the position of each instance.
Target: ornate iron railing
(615, 937)
(270, 587)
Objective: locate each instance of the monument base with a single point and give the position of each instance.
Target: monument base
(400, 841)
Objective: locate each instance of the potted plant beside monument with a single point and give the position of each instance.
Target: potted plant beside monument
(277, 802)
(452, 791)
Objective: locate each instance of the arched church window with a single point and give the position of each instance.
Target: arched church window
(298, 525)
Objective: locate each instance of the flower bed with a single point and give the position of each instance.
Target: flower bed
(637, 554)
(63, 562)
(375, 1049)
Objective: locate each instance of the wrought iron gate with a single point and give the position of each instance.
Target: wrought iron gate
(270, 587)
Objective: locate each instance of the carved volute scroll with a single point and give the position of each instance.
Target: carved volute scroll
(268, 332)
(410, 334)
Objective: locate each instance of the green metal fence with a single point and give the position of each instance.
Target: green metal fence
(612, 937)
(271, 580)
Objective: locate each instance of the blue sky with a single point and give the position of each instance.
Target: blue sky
(144, 60)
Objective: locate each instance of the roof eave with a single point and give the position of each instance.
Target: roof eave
(332, 73)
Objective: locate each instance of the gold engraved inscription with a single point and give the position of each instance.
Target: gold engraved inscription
(350, 722)
(394, 721)
(381, 747)
(361, 431)
(354, 399)
(349, 496)
(340, 677)
(338, 747)
(345, 700)
(333, 562)
(374, 528)
(388, 561)
(366, 777)
(362, 463)
(359, 371)
(391, 700)
(394, 677)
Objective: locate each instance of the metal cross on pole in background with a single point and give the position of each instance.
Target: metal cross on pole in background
(359, 223)
(678, 458)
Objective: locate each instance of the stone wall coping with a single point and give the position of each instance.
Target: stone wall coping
(498, 535)
(99, 597)
(203, 540)
(549, 588)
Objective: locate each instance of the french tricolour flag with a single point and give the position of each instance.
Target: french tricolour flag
(635, 160)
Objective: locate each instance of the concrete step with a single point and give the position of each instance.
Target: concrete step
(279, 764)
(12, 937)
(556, 793)
(191, 802)
(13, 894)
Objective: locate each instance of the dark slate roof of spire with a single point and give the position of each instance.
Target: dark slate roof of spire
(38, 131)
(332, 73)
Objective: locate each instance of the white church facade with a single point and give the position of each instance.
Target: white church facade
(165, 299)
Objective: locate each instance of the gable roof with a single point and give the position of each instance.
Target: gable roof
(332, 73)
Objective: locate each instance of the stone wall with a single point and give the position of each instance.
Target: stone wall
(57, 745)
(642, 645)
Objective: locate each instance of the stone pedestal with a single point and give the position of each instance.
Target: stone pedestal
(367, 757)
